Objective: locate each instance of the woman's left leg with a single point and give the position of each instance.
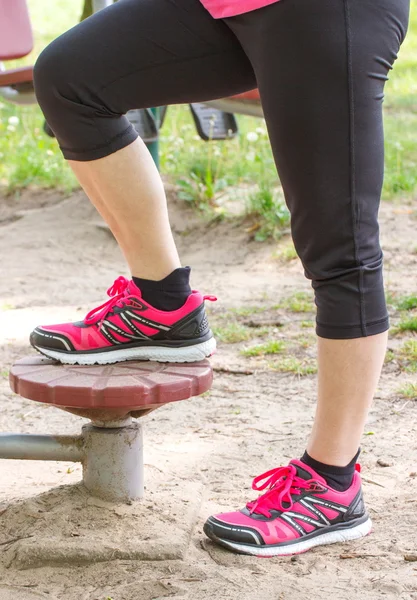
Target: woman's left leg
(321, 66)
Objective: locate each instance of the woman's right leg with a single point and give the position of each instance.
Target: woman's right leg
(134, 54)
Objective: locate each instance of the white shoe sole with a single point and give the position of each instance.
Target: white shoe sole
(183, 354)
(332, 537)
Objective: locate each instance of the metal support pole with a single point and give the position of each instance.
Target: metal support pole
(41, 447)
(153, 147)
(112, 457)
(100, 4)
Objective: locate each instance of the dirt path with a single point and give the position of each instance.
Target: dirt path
(200, 454)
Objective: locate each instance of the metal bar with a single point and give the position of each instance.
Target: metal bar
(100, 4)
(234, 106)
(41, 447)
(12, 95)
(153, 147)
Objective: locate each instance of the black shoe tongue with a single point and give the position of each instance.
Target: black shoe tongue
(303, 471)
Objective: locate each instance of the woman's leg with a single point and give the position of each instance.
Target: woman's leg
(322, 94)
(321, 66)
(134, 54)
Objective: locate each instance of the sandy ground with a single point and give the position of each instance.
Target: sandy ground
(200, 455)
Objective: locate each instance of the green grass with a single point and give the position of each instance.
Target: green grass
(291, 364)
(27, 156)
(300, 302)
(408, 356)
(232, 333)
(401, 118)
(207, 173)
(389, 357)
(271, 347)
(409, 390)
(247, 311)
(268, 207)
(286, 253)
(407, 303)
(305, 342)
(406, 324)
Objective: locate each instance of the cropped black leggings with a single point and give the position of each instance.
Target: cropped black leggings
(320, 66)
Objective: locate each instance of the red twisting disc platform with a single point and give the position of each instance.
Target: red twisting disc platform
(120, 388)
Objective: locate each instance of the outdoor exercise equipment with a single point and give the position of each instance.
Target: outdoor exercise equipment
(16, 41)
(110, 447)
(214, 120)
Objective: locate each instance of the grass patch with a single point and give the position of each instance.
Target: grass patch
(305, 342)
(27, 155)
(272, 347)
(294, 365)
(300, 302)
(247, 311)
(389, 357)
(268, 207)
(307, 324)
(232, 333)
(409, 390)
(7, 306)
(408, 356)
(407, 303)
(286, 253)
(408, 324)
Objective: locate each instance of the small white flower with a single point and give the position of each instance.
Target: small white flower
(261, 130)
(11, 128)
(14, 120)
(252, 136)
(250, 156)
(49, 153)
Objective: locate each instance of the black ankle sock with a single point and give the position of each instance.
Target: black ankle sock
(169, 293)
(339, 478)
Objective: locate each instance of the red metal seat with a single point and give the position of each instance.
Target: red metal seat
(249, 96)
(109, 392)
(16, 77)
(16, 39)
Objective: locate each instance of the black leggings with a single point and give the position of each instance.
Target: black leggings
(320, 66)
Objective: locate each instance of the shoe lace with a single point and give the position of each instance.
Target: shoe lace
(118, 297)
(281, 485)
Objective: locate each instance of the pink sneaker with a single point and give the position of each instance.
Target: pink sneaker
(128, 328)
(299, 511)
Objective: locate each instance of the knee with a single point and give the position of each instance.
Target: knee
(51, 77)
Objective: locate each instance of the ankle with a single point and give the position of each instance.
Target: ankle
(166, 294)
(338, 478)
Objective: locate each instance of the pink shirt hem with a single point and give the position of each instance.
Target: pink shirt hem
(220, 9)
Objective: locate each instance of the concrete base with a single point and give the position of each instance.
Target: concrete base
(113, 462)
(68, 526)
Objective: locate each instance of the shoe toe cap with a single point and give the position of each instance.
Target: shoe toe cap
(231, 527)
(43, 337)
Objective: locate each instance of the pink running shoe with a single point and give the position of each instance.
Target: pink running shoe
(128, 328)
(299, 511)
